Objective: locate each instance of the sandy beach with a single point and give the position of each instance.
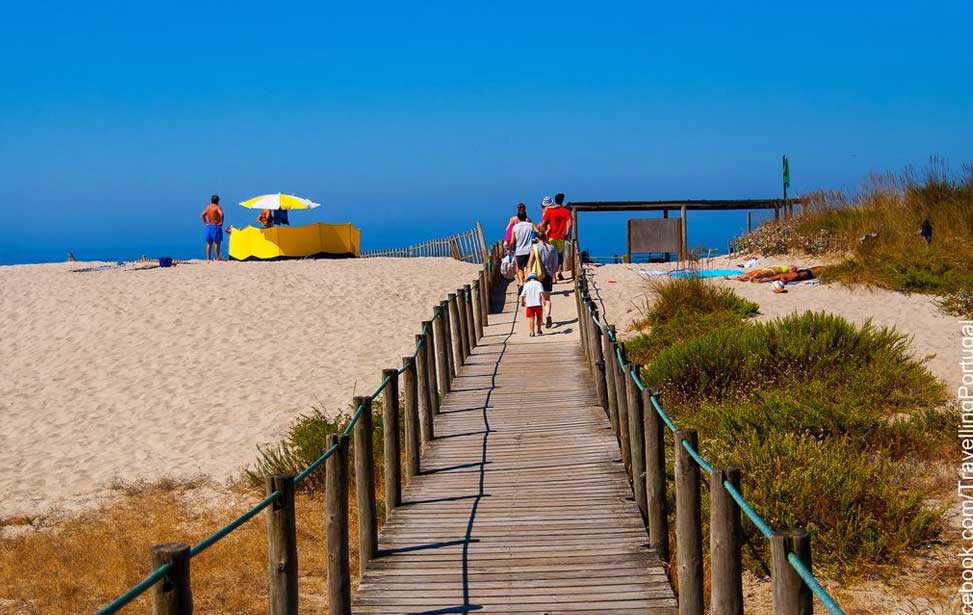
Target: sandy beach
(623, 293)
(121, 374)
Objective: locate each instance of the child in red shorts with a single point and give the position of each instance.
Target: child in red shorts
(532, 298)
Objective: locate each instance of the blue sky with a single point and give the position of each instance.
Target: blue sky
(411, 120)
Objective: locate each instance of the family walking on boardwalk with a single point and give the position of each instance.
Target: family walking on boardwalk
(538, 253)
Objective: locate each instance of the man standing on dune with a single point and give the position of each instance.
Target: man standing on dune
(212, 217)
(558, 218)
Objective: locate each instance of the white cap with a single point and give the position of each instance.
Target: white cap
(547, 202)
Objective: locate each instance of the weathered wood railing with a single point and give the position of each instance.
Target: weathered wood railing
(469, 246)
(443, 344)
(639, 422)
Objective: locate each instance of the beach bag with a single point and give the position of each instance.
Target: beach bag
(508, 267)
(538, 267)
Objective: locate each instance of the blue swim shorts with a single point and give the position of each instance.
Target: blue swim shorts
(214, 233)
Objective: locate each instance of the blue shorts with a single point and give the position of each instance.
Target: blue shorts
(214, 233)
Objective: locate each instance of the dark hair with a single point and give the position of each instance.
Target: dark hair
(559, 198)
(521, 208)
(521, 215)
(215, 199)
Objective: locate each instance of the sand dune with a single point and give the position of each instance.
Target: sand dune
(624, 293)
(141, 374)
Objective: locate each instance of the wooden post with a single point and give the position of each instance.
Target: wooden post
(776, 212)
(609, 354)
(685, 235)
(791, 595)
(470, 325)
(581, 302)
(282, 546)
(726, 570)
(448, 341)
(464, 330)
(622, 399)
(689, 531)
(173, 594)
(482, 239)
(655, 478)
(431, 366)
(391, 452)
(425, 395)
(636, 434)
(599, 360)
(456, 331)
(454, 247)
(365, 484)
(477, 312)
(484, 301)
(749, 221)
(336, 520)
(410, 394)
(442, 352)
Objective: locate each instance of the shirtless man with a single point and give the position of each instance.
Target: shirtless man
(784, 273)
(212, 217)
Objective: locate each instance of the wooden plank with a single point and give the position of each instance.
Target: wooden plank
(522, 505)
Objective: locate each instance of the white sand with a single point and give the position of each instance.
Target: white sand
(624, 294)
(172, 372)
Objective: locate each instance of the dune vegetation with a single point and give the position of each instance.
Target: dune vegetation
(828, 421)
(875, 235)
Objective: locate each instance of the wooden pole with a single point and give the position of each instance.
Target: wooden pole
(173, 594)
(685, 235)
(464, 330)
(456, 331)
(391, 451)
(599, 360)
(608, 353)
(655, 479)
(726, 570)
(471, 326)
(480, 236)
(636, 434)
(581, 302)
(477, 311)
(791, 595)
(431, 366)
(410, 397)
(442, 354)
(336, 520)
(455, 249)
(425, 395)
(282, 546)
(623, 436)
(484, 300)
(448, 343)
(365, 484)
(689, 531)
(749, 221)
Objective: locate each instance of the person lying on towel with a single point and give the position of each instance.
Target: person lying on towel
(784, 273)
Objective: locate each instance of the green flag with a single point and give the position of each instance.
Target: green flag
(787, 174)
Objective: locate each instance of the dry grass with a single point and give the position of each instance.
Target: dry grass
(82, 563)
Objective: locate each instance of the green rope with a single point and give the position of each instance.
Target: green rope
(314, 465)
(662, 413)
(135, 591)
(809, 579)
(221, 533)
(695, 455)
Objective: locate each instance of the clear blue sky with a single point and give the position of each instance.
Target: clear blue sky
(119, 119)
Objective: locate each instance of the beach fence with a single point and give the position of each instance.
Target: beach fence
(640, 424)
(469, 246)
(443, 344)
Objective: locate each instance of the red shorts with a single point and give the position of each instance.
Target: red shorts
(534, 311)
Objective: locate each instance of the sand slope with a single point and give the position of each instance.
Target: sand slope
(176, 371)
(624, 294)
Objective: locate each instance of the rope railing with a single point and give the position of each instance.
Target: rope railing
(625, 369)
(449, 337)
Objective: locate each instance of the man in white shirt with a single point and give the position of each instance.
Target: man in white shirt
(523, 237)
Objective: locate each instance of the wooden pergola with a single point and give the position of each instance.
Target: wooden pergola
(683, 206)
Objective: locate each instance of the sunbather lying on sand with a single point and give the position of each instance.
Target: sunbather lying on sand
(784, 273)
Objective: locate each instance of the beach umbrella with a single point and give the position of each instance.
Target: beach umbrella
(279, 201)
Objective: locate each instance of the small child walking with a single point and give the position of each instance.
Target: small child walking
(532, 298)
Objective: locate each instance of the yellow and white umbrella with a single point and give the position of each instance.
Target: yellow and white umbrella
(279, 201)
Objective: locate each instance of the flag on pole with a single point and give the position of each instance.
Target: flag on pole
(787, 174)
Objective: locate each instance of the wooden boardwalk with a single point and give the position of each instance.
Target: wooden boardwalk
(523, 505)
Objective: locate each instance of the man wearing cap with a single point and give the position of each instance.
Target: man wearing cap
(558, 220)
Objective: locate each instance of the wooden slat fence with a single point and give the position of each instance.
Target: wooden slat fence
(469, 246)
